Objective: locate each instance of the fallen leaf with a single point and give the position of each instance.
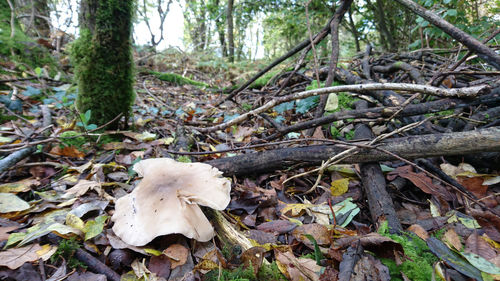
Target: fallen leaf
(319, 232)
(16, 257)
(68, 151)
(451, 237)
(419, 231)
(177, 253)
(339, 187)
(277, 226)
(19, 186)
(297, 269)
(94, 227)
(11, 203)
(4, 232)
(160, 265)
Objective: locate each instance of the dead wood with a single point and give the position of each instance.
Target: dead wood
(379, 202)
(334, 57)
(460, 93)
(412, 147)
(472, 43)
(384, 112)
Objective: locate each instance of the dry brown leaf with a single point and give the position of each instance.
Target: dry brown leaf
(14, 258)
(419, 231)
(476, 245)
(68, 151)
(452, 238)
(297, 269)
(319, 232)
(4, 232)
(177, 254)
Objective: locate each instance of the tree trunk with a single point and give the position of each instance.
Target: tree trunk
(103, 60)
(383, 26)
(219, 25)
(354, 31)
(41, 21)
(230, 29)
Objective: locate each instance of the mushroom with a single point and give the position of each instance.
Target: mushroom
(166, 201)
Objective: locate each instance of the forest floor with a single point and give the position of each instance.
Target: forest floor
(394, 186)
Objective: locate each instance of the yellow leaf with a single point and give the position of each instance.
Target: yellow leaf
(75, 222)
(153, 252)
(18, 186)
(339, 187)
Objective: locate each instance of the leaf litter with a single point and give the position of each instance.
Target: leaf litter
(69, 189)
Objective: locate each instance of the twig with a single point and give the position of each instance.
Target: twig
(156, 98)
(468, 92)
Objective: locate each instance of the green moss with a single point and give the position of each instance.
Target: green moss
(72, 138)
(419, 260)
(264, 79)
(102, 57)
(178, 79)
(66, 251)
(268, 272)
(25, 50)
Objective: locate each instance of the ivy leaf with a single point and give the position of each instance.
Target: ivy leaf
(284, 107)
(304, 105)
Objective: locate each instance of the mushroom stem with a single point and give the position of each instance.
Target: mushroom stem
(225, 231)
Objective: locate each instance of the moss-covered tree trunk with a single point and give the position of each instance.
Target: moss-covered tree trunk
(103, 60)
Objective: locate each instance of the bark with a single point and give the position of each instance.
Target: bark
(381, 112)
(230, 29)
(103, 60)
(334, 31)
(383, 26)
(470, 42)
(354, 31)
(399, 65)
(379, 202)
(424, 146)
(13, 158)
(219, 25)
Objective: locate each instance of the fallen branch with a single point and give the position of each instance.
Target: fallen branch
(383, 112)
(411, 147)
(469, 92)
(472, 43)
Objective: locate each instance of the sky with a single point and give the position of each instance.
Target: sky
(173, 28)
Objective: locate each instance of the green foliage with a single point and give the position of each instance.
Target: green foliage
(25, 49)
(103, 61)
(178, 79)
(66, 251)
(72, 138)
(266, 272)
(463, 14)
(264, 79)
(85, 121)
(418, 264)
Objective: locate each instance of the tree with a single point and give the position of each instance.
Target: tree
(103, 60)
(230, 29)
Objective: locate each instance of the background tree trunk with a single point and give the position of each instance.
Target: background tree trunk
(103, 60)
(230, 29)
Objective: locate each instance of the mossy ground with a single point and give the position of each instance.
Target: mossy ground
(418, 262)
(20, 48)
(266, 272)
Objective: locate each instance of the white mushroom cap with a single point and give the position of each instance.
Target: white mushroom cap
(166, 201)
